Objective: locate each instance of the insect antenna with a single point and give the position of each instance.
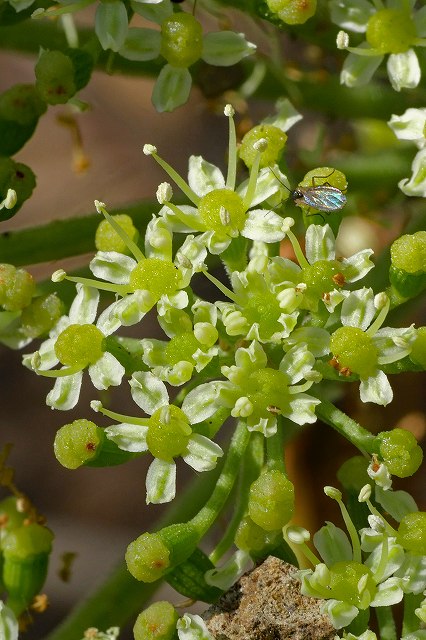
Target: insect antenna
(279, 180)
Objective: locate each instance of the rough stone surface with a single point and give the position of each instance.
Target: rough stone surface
(266, 604)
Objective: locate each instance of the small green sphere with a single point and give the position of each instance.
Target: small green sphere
(17, 288)
(107, 239)
(155, 275)
(181, 39)
(353, 474)
(400, 452)
(354, 350)
(157, 622)
(345, 577)
(168, 433)
(271, 500)
(77, 443)
(55, 79)
(79, 345)
(412, 532)
(252, 538)
(391, 31)
(408, 253)
(293, 11)
(181, 347)
(41, 315)
(223, 211)
(147, 557)
(418, 349)
(275, 138)
(322, 277)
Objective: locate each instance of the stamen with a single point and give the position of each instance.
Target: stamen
(183, 217)
(58, 373)
(232, 148)
(121, 289)
(254, 174)
(297, 250)
(180, 182)
(119, 417)
(336, 495)
(227, 292)
(372, 329)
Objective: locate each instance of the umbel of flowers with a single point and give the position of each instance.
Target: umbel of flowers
(260, 356)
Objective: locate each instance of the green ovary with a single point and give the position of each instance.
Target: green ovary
(79, 345)
(168, 433)
(391, 31)
(354, 350)
(267, 388)
(181, 347)
(344, 581)
(276, 141)
(318, 277)
(157, 276)
(223, 210)
(181, 40)
(264, 309)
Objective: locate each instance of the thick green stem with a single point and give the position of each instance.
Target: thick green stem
(208, 514)
(348, 428)
(252, 463)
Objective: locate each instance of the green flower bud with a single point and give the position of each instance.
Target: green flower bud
(408, 269)
(79, 345)
(41, 315)
(17, 287)
(181, 347)
(322, 277)
(152, 555)
(157, 622)
(353, 474)
(168, 433)
(223, 210)
(418, 349)
(412, 532)
(345, 582)
(391, 31)
(293, 11)
(254, 539)
(325, 175)
(20, 178)
(400, 452)
(83, 443)
(21, 104)
(271, 500)
(20, 109)
(155, 275)
(354, 351)
(181, 40)
(107, 239)
(55, 77)
(275, 138)
(26, 553)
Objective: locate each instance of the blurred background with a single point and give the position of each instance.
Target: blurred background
(97, 512)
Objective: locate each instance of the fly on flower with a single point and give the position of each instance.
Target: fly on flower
(322, 197)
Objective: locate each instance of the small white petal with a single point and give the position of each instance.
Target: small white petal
(202, 453)
(106, 372)
(148, 392)
(160, 482)
(66, 392)
(128, 437)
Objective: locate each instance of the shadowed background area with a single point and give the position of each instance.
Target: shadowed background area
(97, 512)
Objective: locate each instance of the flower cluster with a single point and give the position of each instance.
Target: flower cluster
(259, 355)
(392, 28)
(373, 568)
(177, 37)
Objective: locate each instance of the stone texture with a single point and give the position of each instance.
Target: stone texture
(266, 604)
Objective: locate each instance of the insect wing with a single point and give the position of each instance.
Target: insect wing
(324, 198)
